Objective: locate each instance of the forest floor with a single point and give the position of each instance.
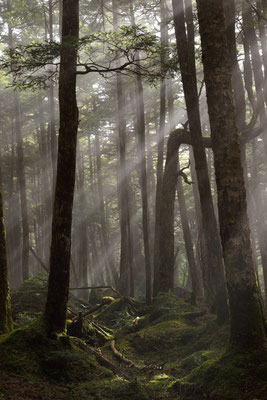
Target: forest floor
(129, 351)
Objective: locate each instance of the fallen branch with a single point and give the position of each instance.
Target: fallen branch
(131, 364)
(98, 287)
(80, 288)
(39, 260)
(120, 356)
(96, 308)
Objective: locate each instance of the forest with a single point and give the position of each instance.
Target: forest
(133, 184)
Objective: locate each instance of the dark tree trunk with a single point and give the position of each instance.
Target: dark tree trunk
(107, 251)
(51, 100)
(6, 324)
(82, 234)
(141, 145)
(214, 271)
(246, 314)
(20, 170)
(58, 285)
(193, 270)
(251, 42)
(123, 187)
(262, 9)
(22, 191)
(45, 185)
(160, 145)
(193, 267)
(13, 228)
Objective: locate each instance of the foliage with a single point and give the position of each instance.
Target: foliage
(136, 50)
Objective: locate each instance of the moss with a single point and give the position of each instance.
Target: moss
(191, 362)
(28, 302)
(120, 313)
(232, 376)
(45, 368)
(132, 390)
(72, 365)
(34, 358)
(30, 297)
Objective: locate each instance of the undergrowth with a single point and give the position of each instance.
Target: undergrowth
(177, 351)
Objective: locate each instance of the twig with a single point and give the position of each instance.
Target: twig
(183, 175)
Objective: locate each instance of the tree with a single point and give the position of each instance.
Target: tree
(246, 314)
(58, 285)
(213, 273)
(5, 308)
(20, 168)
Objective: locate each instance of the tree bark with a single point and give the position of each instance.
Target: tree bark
(20, 170)
(214, 271)
(58, 284)
(125, 260)
(160, 145)
(6, 323)
(141, 145)
(193, 271)
(246, 314)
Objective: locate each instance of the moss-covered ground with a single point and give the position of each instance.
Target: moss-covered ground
(169, 350)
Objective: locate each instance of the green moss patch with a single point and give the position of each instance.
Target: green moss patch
(28, 301)
(232, 376)
(38, 361)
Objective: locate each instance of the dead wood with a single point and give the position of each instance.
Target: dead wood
(131, 364)
(39, 260)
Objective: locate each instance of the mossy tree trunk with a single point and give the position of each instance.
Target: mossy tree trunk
(5, 309)
(246, 316)
(56, 305)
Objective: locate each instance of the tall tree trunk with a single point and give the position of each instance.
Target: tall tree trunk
(45, 185)
(22, 191)
(13, 228)
(82, 234)
(246, 314)
(20, 170)
(126, 261)
(58, 285)
(51, 101)
(193, 270)
(6, 324)
(141, 144)
(214, 271)
(193, 267)
(160, 145)
(251, 42)
(107, 253)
